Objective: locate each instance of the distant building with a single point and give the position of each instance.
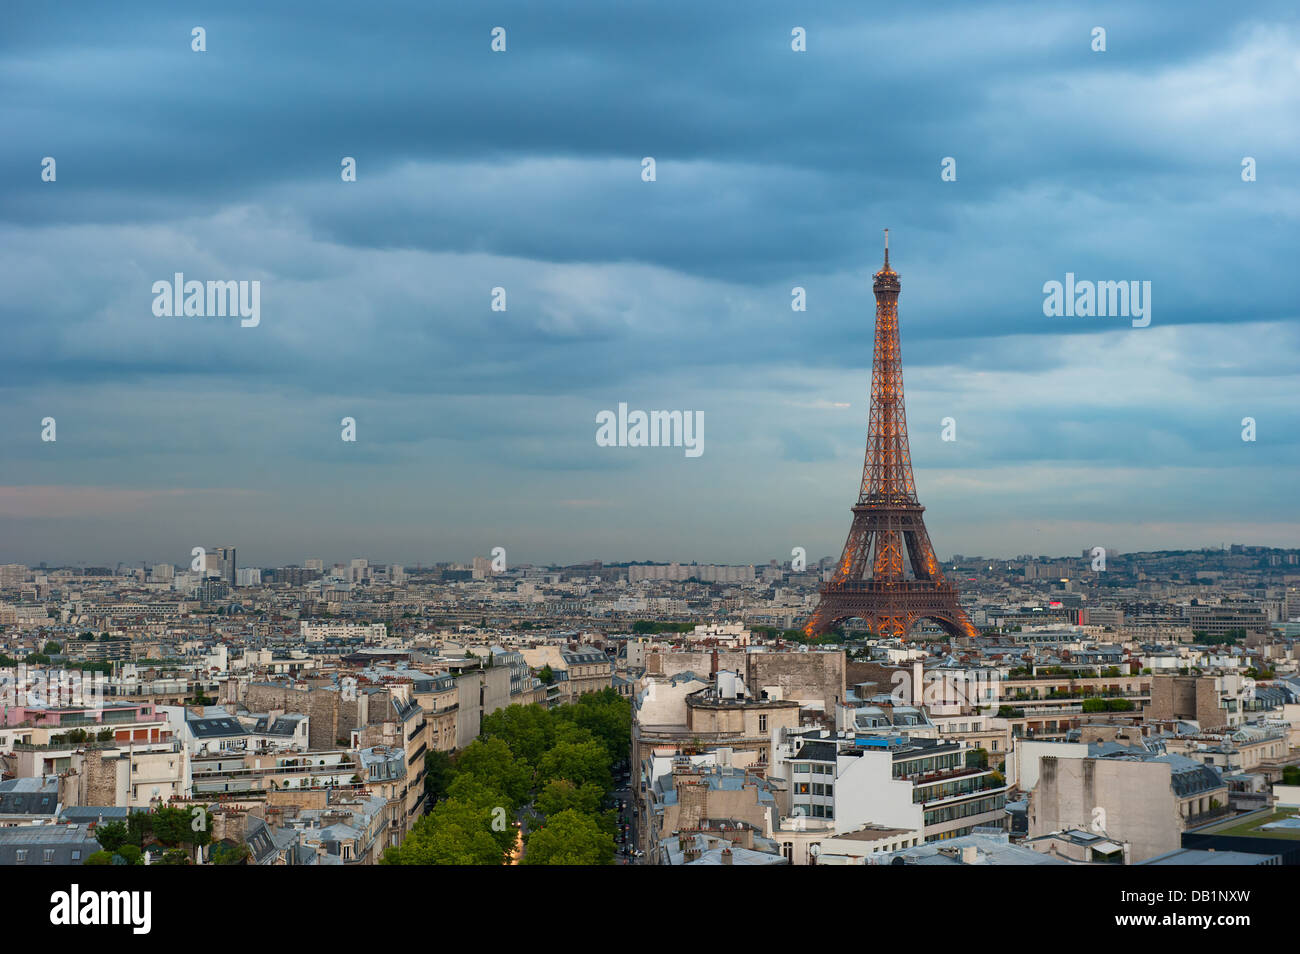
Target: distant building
(320, 632)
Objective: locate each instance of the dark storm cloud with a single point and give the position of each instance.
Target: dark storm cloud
(522, 170)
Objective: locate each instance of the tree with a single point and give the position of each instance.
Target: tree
(528, 730)
(468, 789)
(561, 795)
(454, 833)
(438, 773)
(578, 762)
(569, 838)
(495, 765)
(229, 853)
(175, 826)
(546, 674)
(99, 858)
(607, 715)
(112, 835)
(52, 648)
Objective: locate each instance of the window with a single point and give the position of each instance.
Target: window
(762, 723)
(21, 856)
(49, 856)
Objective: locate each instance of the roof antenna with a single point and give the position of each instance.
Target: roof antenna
(886, 248)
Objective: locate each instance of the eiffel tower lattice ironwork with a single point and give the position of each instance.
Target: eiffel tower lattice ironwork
(871, 582)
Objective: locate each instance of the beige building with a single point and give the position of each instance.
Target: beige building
(686, 796)
(1146, 802)
(815, 679)
(1212, 702)
(687, 714)
(578, 669)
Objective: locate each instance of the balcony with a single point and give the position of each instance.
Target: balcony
(1038, 711)
(942, 776)
(1206, 817)
(983, 786)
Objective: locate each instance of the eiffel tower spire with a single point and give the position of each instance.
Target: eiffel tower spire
(888, 575)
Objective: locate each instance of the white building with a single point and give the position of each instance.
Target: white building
(909, 784)
(320, 632)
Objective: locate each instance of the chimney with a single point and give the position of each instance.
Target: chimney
(726, 856)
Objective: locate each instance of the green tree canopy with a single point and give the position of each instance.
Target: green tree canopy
(497, 768)
(569, 838)
(607, 715)
(560, 795)
(112, 835)
(454, 833)
(438, 773)
(528, 730)
(579, 763)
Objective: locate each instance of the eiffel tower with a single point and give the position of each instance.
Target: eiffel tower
(888, 537)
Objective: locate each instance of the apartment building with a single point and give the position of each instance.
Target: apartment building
(320, 632)
(255, 774)
(684, 795)
(1211, 701)
(935, 786)
(1133, 796)
(686, 714)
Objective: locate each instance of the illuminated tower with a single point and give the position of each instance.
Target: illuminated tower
(888, 575)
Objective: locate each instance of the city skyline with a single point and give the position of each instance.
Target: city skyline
(330, 562)
(477, 428)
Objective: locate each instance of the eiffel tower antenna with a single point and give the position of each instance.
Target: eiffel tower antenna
(887, 538)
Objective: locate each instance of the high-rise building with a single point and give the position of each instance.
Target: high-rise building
(219, 562)
(13, 574)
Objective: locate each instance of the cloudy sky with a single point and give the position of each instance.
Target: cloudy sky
(522, 169)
